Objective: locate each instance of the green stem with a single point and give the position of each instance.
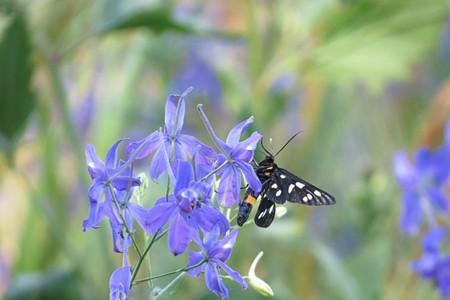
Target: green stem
(155, 238)
(168, 189)
(182, 270)
(119, 211)
(214, 171)
(168, 286)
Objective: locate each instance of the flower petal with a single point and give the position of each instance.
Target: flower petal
(192, 145)
(208, 217)
(94, 164)
(431, 242)
(210, 239)
(146, 146)
(184, 175)
(438, 199)
(179, 235)
(229, 187)
(159, 215)
(441, 166)
(141, 215)
(160, 164)
(195, 258)
(250, 143)
(404, 170)
(424, 158)
(175, 110)
(95, 208)
(122, 183)
(244, 150)
(224, 148)
(234, 274)
(250, 175)
(223, 248)
(120, 283)
(111, 156)
(412, 214)
(235, 133)
(213, 281)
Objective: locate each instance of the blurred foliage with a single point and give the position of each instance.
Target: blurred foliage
(15, 83)
(361, 78)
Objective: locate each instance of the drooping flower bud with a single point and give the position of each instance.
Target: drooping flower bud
(257, 283)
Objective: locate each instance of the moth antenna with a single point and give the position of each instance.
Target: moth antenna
(267, 152)
(271, 145)
(288, 141)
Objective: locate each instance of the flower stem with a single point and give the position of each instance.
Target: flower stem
(168, 189)
(214, 171)
(168, 286)
(155, 238)
(182, 270)
(123, 220)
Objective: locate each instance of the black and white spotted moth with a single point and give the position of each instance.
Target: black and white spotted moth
(278, 185)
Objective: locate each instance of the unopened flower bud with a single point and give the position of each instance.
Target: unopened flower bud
(257, 283)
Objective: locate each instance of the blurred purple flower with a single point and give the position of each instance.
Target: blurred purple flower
(170, 145)
(84, 113)
(432, 265)
(198, 72)
(445, 41)
(120, 283)
(234, 159)
(188, 209)
(216, 253)
(283, 83)
(422, 184)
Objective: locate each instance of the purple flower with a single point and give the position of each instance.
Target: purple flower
(119, 175)
(432, 265)
(216, 253)
(102, 174)
(234, 160)
(188, 209)
(423, 184)
(130, 211)
(169, 145)
(120, 283)
(196, 70)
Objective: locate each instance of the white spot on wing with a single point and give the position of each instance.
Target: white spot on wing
(317, 193)
(271, 209)
(278, 193)
(291, 187)
(310, 197)
(274, 186)
(299, 185)
(282, 176)
(262, 214)
(305, 199)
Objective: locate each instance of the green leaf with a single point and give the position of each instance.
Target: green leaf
(158, 19)
(16, 97)
(377, 40)
(54, 284)
(339, 278)
(375, 256)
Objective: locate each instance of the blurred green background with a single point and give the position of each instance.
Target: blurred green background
(361, 78)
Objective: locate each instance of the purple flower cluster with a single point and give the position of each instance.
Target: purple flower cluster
(425, 199)
(201, 184)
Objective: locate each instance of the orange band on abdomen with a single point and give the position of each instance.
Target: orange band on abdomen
(251, 200)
